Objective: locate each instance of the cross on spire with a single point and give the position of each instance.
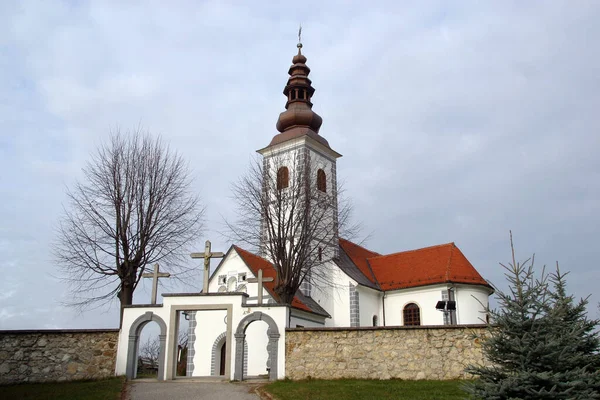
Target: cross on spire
(207, 255)
(155, 275)
(260, 280)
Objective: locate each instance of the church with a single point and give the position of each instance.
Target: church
(236, 325)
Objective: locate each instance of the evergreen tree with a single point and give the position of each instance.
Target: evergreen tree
(541, 344)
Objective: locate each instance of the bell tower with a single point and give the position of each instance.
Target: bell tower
(303, 162)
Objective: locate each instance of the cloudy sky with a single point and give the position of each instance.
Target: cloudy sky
(458, 122)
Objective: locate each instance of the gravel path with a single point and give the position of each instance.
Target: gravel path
(191, 390)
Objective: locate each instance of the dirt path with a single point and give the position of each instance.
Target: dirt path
(191, 390)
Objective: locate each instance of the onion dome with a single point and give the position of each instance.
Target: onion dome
(298, 119)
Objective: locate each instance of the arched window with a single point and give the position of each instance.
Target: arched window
(321, 180)
(231, 284)
(375, 320)
(412, 315)
(283, 178)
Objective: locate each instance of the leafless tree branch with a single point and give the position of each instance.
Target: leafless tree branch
(295, 227)
(132, 209)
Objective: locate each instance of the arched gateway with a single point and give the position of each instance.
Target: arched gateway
(134, 338)
(272, 347)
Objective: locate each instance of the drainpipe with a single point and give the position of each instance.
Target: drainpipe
(384, 293)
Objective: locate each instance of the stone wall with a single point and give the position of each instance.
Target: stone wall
(435, 352)
(57, 355)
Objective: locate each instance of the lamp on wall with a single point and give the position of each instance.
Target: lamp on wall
(446, 305)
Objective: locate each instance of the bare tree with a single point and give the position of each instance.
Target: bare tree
(291, 219)
(132, 209)
(182, 338)
(149, 352)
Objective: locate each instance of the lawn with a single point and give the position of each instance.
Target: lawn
(346, 389)
(107, 389)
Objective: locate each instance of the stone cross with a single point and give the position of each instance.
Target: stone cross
(260, 281)
(207, 255)
(155, 275)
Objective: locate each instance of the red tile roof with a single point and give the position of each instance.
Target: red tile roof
(430, 265)
(359, 256)
(255, 263)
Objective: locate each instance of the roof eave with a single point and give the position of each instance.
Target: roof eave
(487, 285)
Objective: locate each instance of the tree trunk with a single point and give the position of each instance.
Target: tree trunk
(125, 297)
(285, 293)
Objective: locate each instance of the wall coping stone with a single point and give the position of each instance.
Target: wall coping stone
(143, 305)
(205, 294)
(58, 331)
(382, 328)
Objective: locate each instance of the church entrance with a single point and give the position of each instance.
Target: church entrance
(223, 354)
(256, 354)
(206, 333)
(149, 361)
(252, 335)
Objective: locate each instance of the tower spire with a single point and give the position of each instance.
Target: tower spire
(299, 119)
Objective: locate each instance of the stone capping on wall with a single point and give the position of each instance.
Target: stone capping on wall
(143, 306)
(30, 331)
(205, 294)
(395, 327)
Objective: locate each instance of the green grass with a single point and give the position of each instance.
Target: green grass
(146, 375)
(345, 389)
(106, 389)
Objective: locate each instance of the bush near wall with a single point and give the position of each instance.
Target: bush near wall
(411, 353)
(57, 355)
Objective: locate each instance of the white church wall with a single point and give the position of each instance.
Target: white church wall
(172, 301)
(234, 267)
(369, 306)
(337, 298)
(290, 150)
(322, 290)
(129, 317)
(471, 301)
(280, 316)
(468, 307)
(256, 342)
(425, 297)
(301, 319)
(288, 154)
(210, 324)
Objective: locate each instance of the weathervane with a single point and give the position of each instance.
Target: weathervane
(300, 36)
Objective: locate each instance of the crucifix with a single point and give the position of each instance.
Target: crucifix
(260, 282)
(207, 255)
(155, 275)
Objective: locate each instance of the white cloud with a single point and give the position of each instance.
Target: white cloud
(457, 121)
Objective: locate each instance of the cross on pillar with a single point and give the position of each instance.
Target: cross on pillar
(260, 280)
(207, 255)
(155, 275)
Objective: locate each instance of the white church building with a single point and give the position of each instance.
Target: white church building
(237, 325)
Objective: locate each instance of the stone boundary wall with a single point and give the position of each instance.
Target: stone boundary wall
(57, 355)
(433, 352)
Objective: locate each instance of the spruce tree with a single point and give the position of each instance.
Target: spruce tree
(540, 343)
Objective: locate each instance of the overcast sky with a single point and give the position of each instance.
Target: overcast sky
(457, 122)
